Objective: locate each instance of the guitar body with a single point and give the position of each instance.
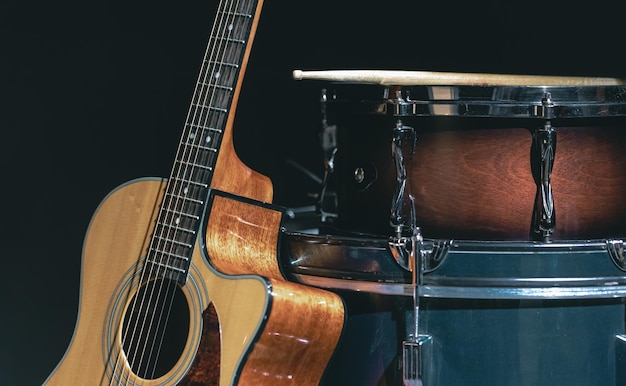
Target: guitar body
(265, 333)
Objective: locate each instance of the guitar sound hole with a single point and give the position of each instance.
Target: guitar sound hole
(155, 328)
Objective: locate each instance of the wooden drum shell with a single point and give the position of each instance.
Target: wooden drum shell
(472, 177)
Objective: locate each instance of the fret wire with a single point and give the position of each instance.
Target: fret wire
(198, 184)
(197, 175)
(201, 147)
(177, 242)
(220, 92)
(180, 243)
(185, 223)
(174, 220)
(194, 126)
(237, 14)
(212, 108)
(179, 270)
(229, 40)
(185, 198)
(170, 254)
(215, 85)
(221, 63)
(209, 168)
(190, 231)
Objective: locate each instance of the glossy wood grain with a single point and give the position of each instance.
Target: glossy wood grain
(231, 174)
(304, 324)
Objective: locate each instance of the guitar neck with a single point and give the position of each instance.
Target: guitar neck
(206, 137)
(215, 94)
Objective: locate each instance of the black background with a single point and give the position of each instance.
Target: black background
(93, 94)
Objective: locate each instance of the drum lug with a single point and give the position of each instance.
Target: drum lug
(544, 149)
(402, 136)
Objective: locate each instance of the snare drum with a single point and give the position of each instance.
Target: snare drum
(479, 166)
(481, 169)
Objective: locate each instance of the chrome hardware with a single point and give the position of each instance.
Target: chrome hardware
(359, 175)
(401, 247)
(402, 105)
(548, 106)
(433, 252)
(413, 348)
(547, 109)
(402, 136)
(543, 154)
(416, 357)
(328, 141)
(617, 253)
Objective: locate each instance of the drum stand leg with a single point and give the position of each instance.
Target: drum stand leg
(414, 353)
(328, 142)
(417, 349)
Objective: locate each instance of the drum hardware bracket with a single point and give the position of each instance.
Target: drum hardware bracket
(543, 155)
(434, 252)
(402, 106)
(547, 109)
(616, 251)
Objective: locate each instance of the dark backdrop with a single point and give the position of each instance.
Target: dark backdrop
(93, 94)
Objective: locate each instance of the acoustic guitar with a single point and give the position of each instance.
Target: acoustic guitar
(180, 281)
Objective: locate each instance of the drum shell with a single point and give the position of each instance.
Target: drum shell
(483, 342)
(472, 177)
(496, 313)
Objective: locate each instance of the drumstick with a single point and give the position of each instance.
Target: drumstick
(427, 78)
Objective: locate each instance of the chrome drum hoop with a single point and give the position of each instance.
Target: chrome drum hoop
(479, 101)
(461, 269)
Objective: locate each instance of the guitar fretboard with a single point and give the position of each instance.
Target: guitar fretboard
(188, 186)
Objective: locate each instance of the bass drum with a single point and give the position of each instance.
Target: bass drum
(474, 173)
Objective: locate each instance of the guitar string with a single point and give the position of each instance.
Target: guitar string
(188, 145)
(203, 158)
(152, 268)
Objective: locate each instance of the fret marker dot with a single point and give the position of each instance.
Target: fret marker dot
(217, 75)
(177, 221)
(192, 135)
(208, 138)
(186, 190)
(230, 27)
